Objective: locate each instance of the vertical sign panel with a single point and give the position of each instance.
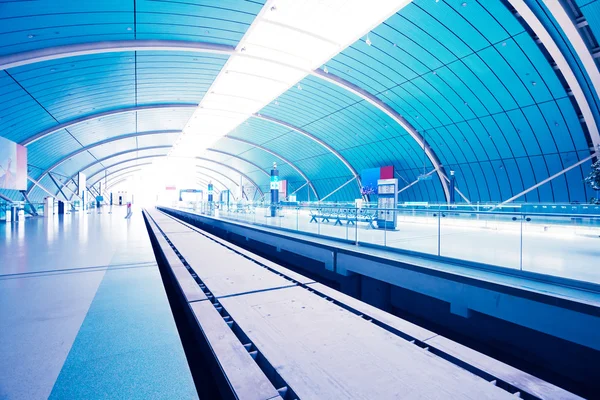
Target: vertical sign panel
(13, 165)
(81, 183)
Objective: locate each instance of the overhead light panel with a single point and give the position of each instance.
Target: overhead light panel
(287, 40)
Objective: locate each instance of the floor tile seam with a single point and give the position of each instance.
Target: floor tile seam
(80, 268)
(71, 272)
(228, 296)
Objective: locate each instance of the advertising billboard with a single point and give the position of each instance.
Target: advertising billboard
(369, 178)
(81, 184)
(13, 165)
(283, 186)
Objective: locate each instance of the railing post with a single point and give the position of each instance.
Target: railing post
(387, 211)
(521, 245)
(439, 231)
(356, 228)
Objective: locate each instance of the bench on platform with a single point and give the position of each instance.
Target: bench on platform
(344, 214)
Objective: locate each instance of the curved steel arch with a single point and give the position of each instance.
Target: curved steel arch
(129, 171)
(112, 46)
(390, 112)
(119, 170)
(220, 174)
(100, 143)
(153, 156)
(126, 173)
(231, 168)
(156, 156)
(117, 182)
(115, 155)
(80, 120)
(203, 181)
(291, 164)
(125, 176)
(31, 57)
(121, 137)
(315, 139)
(240, 158)
(211, 178)
(561, 62)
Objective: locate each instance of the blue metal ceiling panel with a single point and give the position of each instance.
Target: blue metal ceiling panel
(99, 129)
(240, 164)
(311, 100)
(44, 152)
(76, 86)
(154, 120)
(591, 10)
(106, 150)
(206, 21)
(157, 140)
(50, 23)
(469, 78)
(231, 146)
(224, 174)
(503, 68)
(175, 77)
(74, 163)
(19, 112)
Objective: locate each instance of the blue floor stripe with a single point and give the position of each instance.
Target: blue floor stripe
(128, 345)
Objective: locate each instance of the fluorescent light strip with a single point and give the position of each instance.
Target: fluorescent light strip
(287, 40)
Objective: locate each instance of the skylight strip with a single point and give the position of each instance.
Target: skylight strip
(287, 40)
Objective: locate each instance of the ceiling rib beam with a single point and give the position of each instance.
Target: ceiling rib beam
(212, 178)
(76, 121)
(116, 155)
(390, 112)
(157, 156)
(100, 143)
(110, 186)
(315, 139)
(258, 167)
(135, 45)
(561, 62)
(234, 170)
(113, 176)
(112, 46)
(86, 118)
(120, 170)
(291, 164)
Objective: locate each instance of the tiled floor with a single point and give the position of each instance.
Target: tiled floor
(83, 312)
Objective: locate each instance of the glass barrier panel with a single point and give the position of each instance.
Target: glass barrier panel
(567, 246)
(416, 230)
(481, 237)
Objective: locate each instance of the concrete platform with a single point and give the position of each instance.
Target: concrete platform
(551, 319)
(325, 352)
(83, 312)
(322, 343)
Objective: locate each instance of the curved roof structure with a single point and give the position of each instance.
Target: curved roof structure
(503, 93)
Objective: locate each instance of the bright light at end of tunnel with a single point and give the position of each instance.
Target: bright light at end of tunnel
(287, 40)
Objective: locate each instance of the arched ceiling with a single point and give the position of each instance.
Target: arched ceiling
(501, 92)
